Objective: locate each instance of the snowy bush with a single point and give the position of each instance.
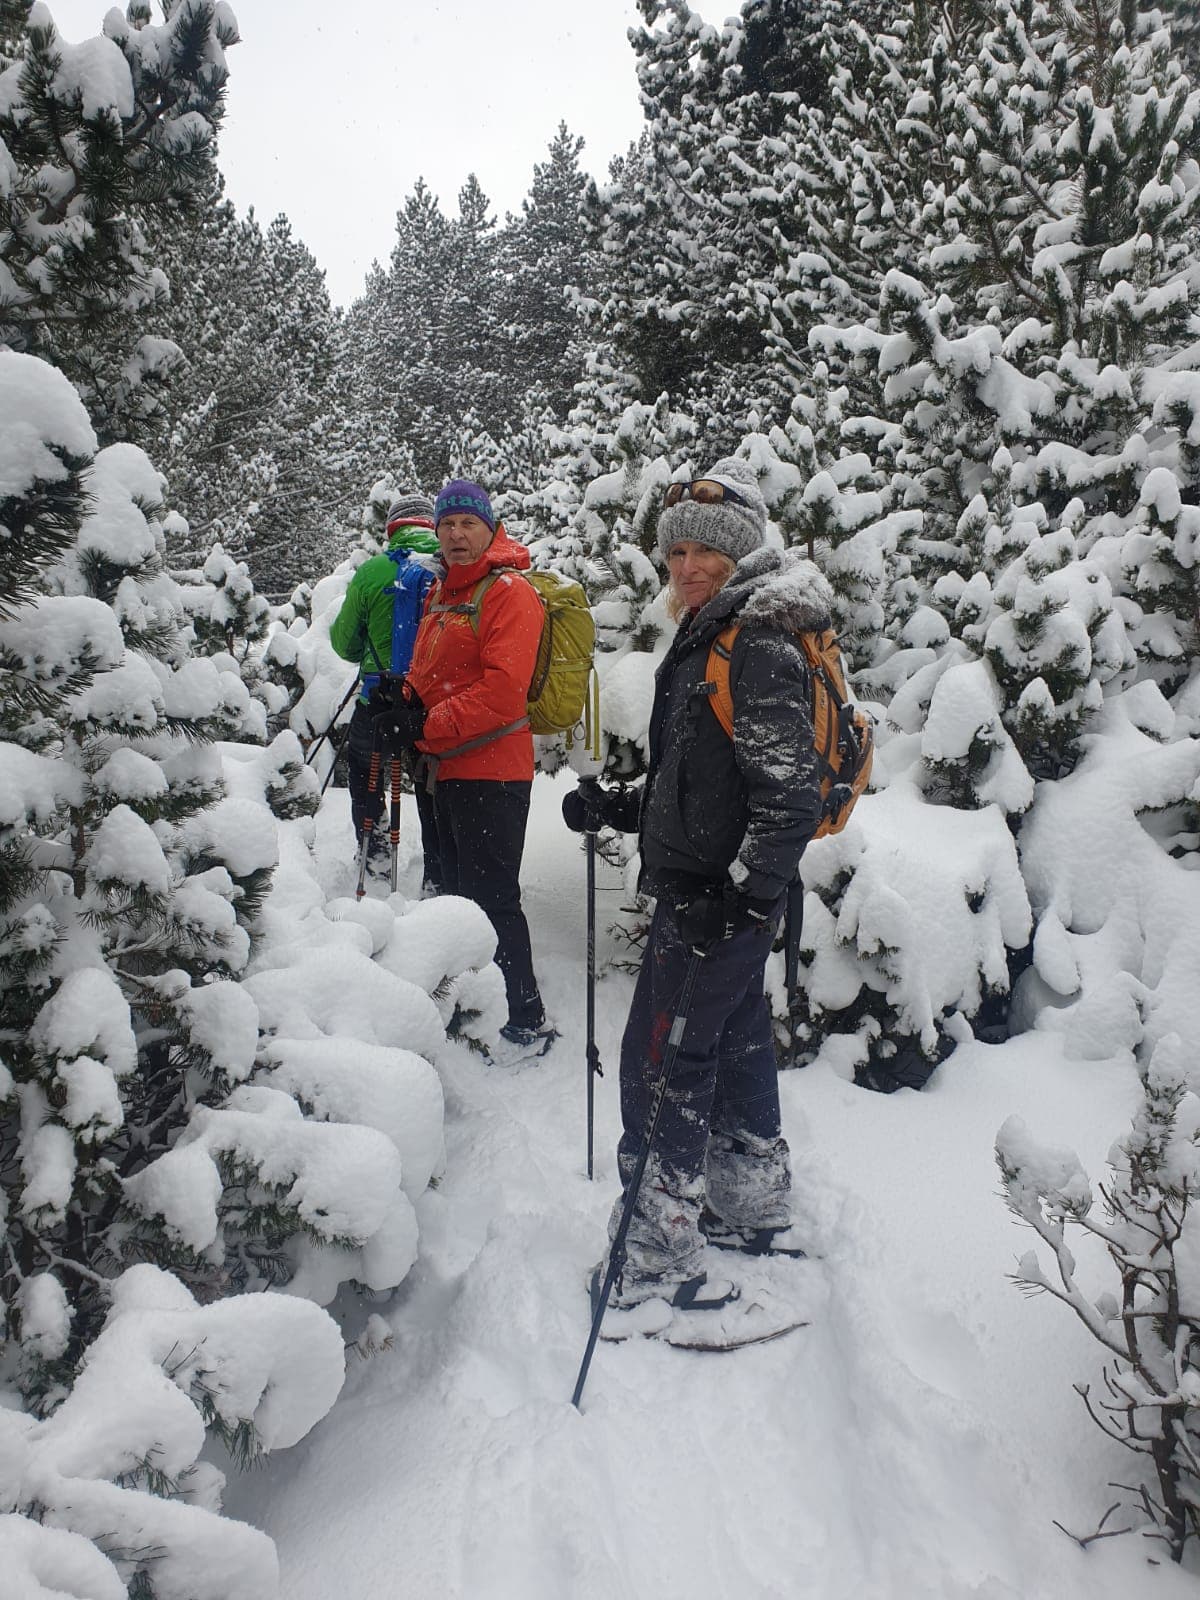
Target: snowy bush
(305, 1172)
(133, 886)
(901, 866)
(1114, 952)
(1148, 1324)
(109, 1496)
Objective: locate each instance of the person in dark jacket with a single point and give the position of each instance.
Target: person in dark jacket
(722, 826)
(376, 627)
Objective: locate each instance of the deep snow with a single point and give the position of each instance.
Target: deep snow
(917, 1441)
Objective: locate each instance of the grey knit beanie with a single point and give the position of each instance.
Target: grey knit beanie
(413, 508)
(735, 530)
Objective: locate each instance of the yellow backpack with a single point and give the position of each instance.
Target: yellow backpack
(563, 692)
(843, 736)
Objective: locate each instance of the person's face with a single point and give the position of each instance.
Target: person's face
(697, 572)
(463, 537)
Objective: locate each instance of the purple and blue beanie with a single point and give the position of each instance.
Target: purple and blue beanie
(460, 494)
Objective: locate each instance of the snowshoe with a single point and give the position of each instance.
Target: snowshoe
(783, 1241)
(700, 1315)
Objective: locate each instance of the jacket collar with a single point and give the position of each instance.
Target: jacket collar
(774, 588)
(504, 551)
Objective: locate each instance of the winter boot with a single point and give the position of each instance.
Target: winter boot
(516, 1045)
(748, 1182)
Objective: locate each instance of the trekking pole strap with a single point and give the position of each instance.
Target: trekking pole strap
(616, 1253)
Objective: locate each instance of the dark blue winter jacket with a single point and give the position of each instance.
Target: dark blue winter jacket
(716, 808)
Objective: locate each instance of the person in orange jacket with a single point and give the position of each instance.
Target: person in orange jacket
(472, 664)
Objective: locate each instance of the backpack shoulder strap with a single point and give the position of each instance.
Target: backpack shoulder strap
(720, 695)
(471, 608)
(820, 653)
(480, 590)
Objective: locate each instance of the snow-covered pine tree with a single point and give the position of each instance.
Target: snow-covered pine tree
(1028, 384)
(233, 625)
(426, 340)
(101, 699)
(698, 226)
(101, 137)
(120, 934)
(545, 270)
(253, 435)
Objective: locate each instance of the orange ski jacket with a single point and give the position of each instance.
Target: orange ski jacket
(473, 674)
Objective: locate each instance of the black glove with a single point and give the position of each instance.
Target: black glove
(580, 810)
(399, 721)
(717, 914)
(589, 808)
(386, 694)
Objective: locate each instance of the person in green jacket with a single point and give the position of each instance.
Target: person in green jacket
(375, 628)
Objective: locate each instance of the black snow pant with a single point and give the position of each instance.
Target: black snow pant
(480, 826)
(364, 804)
(718, 1139)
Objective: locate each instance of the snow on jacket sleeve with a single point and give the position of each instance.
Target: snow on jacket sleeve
(510, 626)
(773, 748)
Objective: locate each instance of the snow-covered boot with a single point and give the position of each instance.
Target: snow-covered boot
(516, 1045)
(748, 1180)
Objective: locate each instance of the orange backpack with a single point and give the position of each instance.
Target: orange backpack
(843, 736)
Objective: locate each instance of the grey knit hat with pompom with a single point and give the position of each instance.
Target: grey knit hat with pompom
(413, 508)
(732, 528)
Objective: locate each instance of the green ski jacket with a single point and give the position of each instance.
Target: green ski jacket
(362, 629)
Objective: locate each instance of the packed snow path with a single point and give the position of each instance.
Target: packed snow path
(917, 1441)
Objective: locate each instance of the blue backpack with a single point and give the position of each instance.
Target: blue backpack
(408, 590)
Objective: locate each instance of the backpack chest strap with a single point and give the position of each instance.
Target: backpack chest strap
(472, 607)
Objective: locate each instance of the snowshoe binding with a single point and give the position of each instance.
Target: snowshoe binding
(784, 1241)
(648, 1308)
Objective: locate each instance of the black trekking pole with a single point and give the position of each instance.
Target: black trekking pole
(337, 756)
(368, 826)
(616, 1253)
(317, 743)
(793, 923)
(394, 822)
(594, 1069)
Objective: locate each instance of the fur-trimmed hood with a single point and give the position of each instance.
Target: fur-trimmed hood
(776, 589)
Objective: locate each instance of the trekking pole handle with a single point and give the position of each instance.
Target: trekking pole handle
(590, 788)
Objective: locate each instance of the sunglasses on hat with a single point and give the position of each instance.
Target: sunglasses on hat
(706, 491)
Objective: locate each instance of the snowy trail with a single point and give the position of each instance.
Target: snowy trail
(881, 1454)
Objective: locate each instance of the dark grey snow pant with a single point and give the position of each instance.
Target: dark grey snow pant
(480, 826)
(718, 1138)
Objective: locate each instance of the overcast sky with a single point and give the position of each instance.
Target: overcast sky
(336, 107)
